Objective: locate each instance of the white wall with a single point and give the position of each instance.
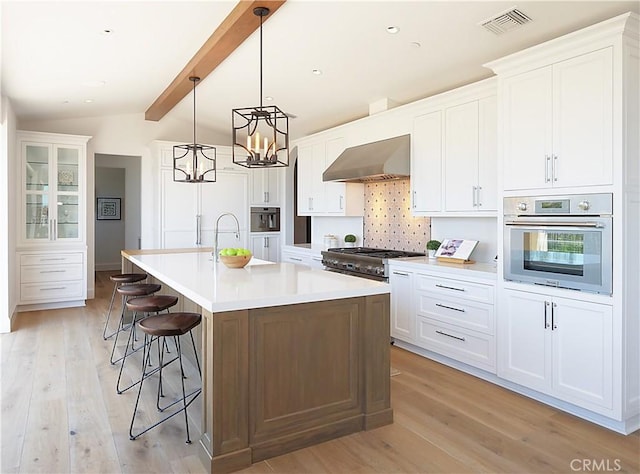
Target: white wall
(121, 135)
(110, 233)
(8, 214)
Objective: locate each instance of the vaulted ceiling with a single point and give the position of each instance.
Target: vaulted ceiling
(65, 59)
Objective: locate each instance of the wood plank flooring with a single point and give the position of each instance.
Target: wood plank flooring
(60, 413)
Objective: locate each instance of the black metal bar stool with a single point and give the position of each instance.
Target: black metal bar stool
(127, 292)
(158, 328)
(119, 280)
(141, 307)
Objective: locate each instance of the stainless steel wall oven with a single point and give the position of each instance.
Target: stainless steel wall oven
(560, 241)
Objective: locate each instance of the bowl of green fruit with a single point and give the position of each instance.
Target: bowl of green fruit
(235, 258)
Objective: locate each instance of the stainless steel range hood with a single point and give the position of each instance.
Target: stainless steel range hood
(377, 161)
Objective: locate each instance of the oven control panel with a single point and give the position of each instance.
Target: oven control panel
(577, 204)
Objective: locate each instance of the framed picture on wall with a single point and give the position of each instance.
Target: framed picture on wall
(108, 209)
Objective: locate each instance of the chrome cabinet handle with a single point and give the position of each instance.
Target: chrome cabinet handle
(310, 204)
(341, 202)
(198, 229)
(546, 322)
(449, 307)
(553, 316)
(295, 259)
(54, 288)
(449, 287)
(414, 199)
(266, 196)
(553, 168)
(478, 200)
(55, 229)
(473, 195)
(53, 271)
(451, 336)
(266, 242)
(401, 273)
(51, 259)
(547, 162)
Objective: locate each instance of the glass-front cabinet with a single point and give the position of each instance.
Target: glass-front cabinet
(52, 188)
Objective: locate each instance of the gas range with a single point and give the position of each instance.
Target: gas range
(365, 262)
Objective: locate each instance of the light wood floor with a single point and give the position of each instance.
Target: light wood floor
(60, 413)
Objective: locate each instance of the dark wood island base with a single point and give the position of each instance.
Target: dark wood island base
(282, 378)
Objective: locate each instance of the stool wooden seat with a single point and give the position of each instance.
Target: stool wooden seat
(119, 280)
(160, 327)
(141, 306)
(127, 292)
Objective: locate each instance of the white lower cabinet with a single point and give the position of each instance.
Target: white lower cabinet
(558, 346)
(266, 246)
(52, 277)
(456, 318)
(403, 320)
(453, 317)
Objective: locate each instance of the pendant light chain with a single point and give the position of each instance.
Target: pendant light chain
(261, 19)
(195, 79)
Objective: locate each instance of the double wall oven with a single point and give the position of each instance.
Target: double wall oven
(560, 241)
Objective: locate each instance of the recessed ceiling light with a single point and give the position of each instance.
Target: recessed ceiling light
(392, 30)
(415, 44)
(268, 98)
(317, 72)
(88, 101)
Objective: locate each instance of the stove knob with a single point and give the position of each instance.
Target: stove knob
(584, 205)
(522, 206)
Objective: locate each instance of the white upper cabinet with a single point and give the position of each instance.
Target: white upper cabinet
(454, 154)
(558, 124)
(319, 198)
(426, 164)
(265, 187)
(470, 157)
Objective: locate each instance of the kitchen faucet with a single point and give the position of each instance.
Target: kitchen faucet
(215, 240)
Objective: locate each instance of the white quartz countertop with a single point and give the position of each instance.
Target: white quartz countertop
(260, 284)
(475, 270)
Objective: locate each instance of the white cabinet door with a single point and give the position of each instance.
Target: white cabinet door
(229, 194)
(266, 246)
(559, 346)
(265, 187)
(461, 157)
(583, 120)
(310, 184)
(335, 192)
(524, 340)
(527, 126)
(426, 164)
(558, 124)
(403, 319)
(179, 214)
(583, 352)
(487, 194)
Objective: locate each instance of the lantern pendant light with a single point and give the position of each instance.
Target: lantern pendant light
(194, 163)
(260, 134)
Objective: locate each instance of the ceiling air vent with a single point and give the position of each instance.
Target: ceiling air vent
(505, 21)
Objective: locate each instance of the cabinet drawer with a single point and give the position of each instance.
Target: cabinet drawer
(51, 259)
(475, 349)
(455, 288)
(53, 291)
(46, 273)
(459, 312)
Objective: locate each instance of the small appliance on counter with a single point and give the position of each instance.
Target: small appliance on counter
(265, 219)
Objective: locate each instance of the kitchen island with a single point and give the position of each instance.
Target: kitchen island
(292, 356)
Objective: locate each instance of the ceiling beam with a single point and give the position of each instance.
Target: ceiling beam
(231, 33)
